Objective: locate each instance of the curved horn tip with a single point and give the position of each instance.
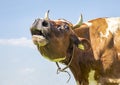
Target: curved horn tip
(81, 17)
(47, 15)
(80, 21)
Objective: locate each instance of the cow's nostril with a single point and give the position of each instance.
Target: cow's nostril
(45, 23)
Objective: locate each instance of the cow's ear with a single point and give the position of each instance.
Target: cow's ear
(74, 39)
(81, 43)
(84, 44)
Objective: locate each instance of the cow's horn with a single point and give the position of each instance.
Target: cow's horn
(80, 21)
(47, 15)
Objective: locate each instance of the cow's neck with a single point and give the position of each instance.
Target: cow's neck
(75, 68)
(68, 61)
(77, 55)
(72, 64)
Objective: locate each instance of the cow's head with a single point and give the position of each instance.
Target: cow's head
(54, 37)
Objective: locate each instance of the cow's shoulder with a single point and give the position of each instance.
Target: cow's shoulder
(104, 35)
(104, 26)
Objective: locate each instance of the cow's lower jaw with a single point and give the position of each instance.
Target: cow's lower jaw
(39, 40)
(56, 59)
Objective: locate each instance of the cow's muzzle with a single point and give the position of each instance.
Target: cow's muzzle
(40, 30)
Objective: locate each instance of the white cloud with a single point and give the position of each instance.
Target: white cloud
(25, 71)
(18, 42)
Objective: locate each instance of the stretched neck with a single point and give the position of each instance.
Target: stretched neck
(78, 61)
(75, 67)
(72, 63)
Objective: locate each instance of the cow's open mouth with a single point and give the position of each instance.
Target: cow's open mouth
(39, 38)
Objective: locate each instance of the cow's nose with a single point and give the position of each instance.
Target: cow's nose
(45, 23)
(41, 25)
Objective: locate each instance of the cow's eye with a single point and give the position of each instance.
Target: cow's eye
(66, 27)
(59, 27)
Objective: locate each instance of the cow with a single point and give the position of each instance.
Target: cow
(85, 46)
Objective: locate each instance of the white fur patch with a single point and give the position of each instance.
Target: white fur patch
(91, 78)
(113, 26)
(77, 82)
(88, 24)
(118, 54)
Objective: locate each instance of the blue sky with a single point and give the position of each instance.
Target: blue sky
(20, 62)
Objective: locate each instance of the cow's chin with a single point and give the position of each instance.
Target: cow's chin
(39, 40)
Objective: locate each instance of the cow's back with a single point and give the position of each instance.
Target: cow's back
(105, 42)
(104, 35)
